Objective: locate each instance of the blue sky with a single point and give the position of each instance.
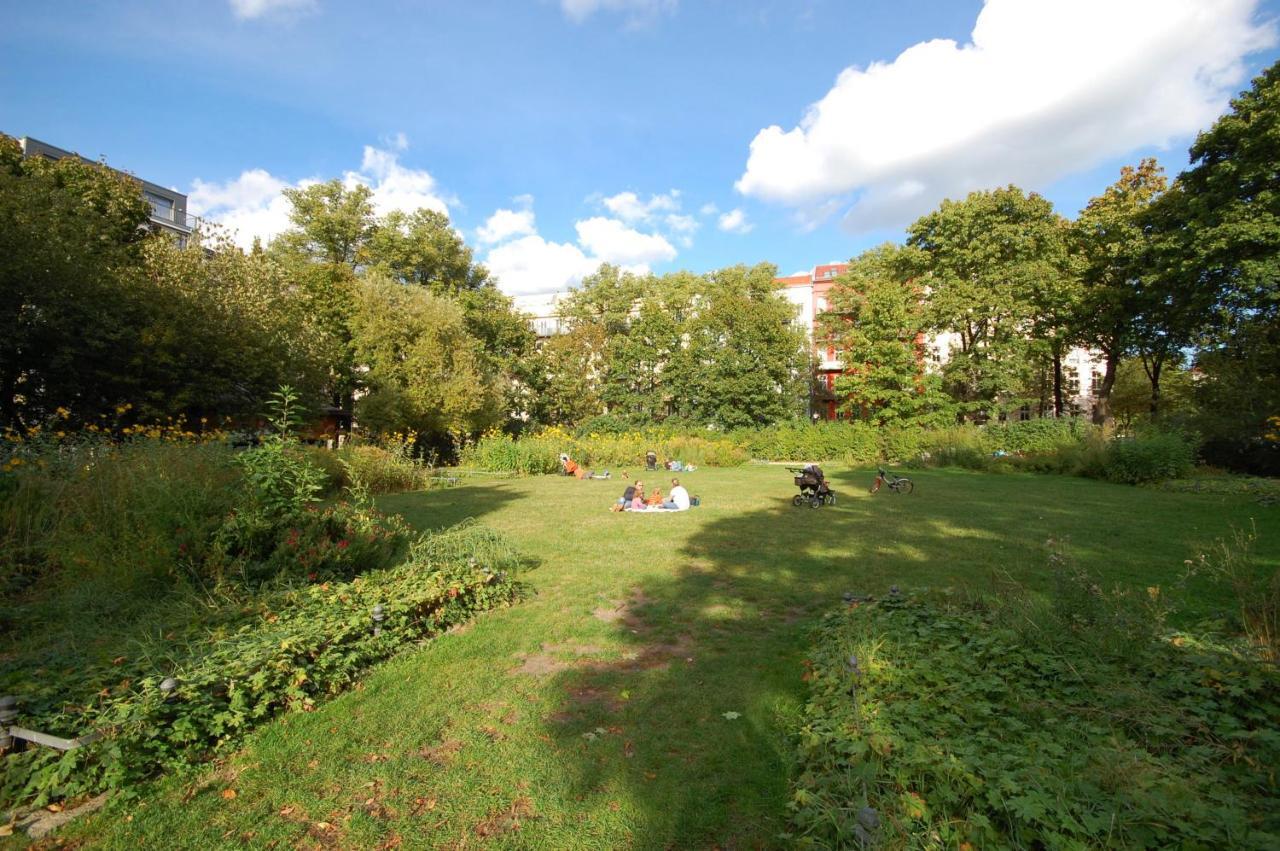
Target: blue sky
(528, 121)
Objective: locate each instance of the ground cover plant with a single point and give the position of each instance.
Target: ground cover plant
(942, 722)
(286, 652)
(647, 694)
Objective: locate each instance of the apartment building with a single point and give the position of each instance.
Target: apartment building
(808, 291)
(168, 207)
(1082, 368)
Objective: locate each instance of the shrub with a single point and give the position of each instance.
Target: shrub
(854, 442)
(337, 542)
(119, 517)
(936, 724)
(294, 649)
(1149, 457)
(498, 452)
(382, 469)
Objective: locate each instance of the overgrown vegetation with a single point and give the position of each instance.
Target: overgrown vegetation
(1072, 720)
(282, 651)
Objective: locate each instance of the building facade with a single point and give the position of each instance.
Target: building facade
(808, 291)
(1082, 368)
(168, 206)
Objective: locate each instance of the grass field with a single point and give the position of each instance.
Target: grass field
(640, 697)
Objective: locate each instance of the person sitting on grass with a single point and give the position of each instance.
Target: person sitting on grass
(654, 500)
(679, 499)
(570, 467)
(637, 500)
(624, 501)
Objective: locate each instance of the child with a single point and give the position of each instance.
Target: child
(654, 499)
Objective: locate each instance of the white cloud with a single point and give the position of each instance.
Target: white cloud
(252, 205)
(249, 206)
(1044, 89)
(614, 242)
(628, 206)
(735, 221)
(531, 265)
(504, 224)
(248, 9)
(394, 186)
(709, 209)
(637, 11)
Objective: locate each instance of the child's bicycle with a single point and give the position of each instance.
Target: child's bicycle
(897, 484)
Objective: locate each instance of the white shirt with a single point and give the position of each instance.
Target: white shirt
(680, 497)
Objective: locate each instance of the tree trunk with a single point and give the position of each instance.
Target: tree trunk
(1058, 405)
(1102, 407)
(1153, 367)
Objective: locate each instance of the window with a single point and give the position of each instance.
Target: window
(1070, 381)
(161, 207)
(1096, 386)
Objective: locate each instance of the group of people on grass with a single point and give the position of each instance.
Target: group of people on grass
(634, 498)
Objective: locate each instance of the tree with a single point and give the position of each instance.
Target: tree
(984, 262)
(876, 320)
(332, 223)
(70, 232)
(742, 364)
(564, 377)
(226, 329)
(422, 248)
(1228, 248)
(424, 371)
(1114, 247)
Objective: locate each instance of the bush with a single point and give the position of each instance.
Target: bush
(296, 648)
(337, 542)
(383, 470)
(852, 442)
(540, 452)
(120, 517)
(1150, 457)
(931, 723)
(498, 452)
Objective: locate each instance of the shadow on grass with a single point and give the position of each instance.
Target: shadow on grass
(433, 510)
(690, 721)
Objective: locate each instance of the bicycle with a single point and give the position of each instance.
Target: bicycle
(897, 484)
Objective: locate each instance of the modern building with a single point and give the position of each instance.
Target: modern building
(168, 206)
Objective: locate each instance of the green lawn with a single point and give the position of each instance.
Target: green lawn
(593, 715)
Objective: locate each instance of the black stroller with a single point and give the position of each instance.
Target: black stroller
(813, 487)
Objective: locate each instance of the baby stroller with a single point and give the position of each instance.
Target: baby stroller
(813, 487)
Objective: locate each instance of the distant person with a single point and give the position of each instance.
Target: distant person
(678, 499)
(637, 499)
(654, 499)
(627, 496)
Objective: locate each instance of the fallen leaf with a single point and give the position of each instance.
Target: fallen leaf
(54, 808)
(228, 793)
(6, 830)
(286, 811)
(732, 716)
(650, 775)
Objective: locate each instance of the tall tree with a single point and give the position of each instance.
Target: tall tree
(1231, 246)
(424, 371)
(982, 261)
(1114, 245)
(70, 235)
(742, 364)
(877, 322)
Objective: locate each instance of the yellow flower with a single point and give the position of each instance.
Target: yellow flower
(62, 412)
